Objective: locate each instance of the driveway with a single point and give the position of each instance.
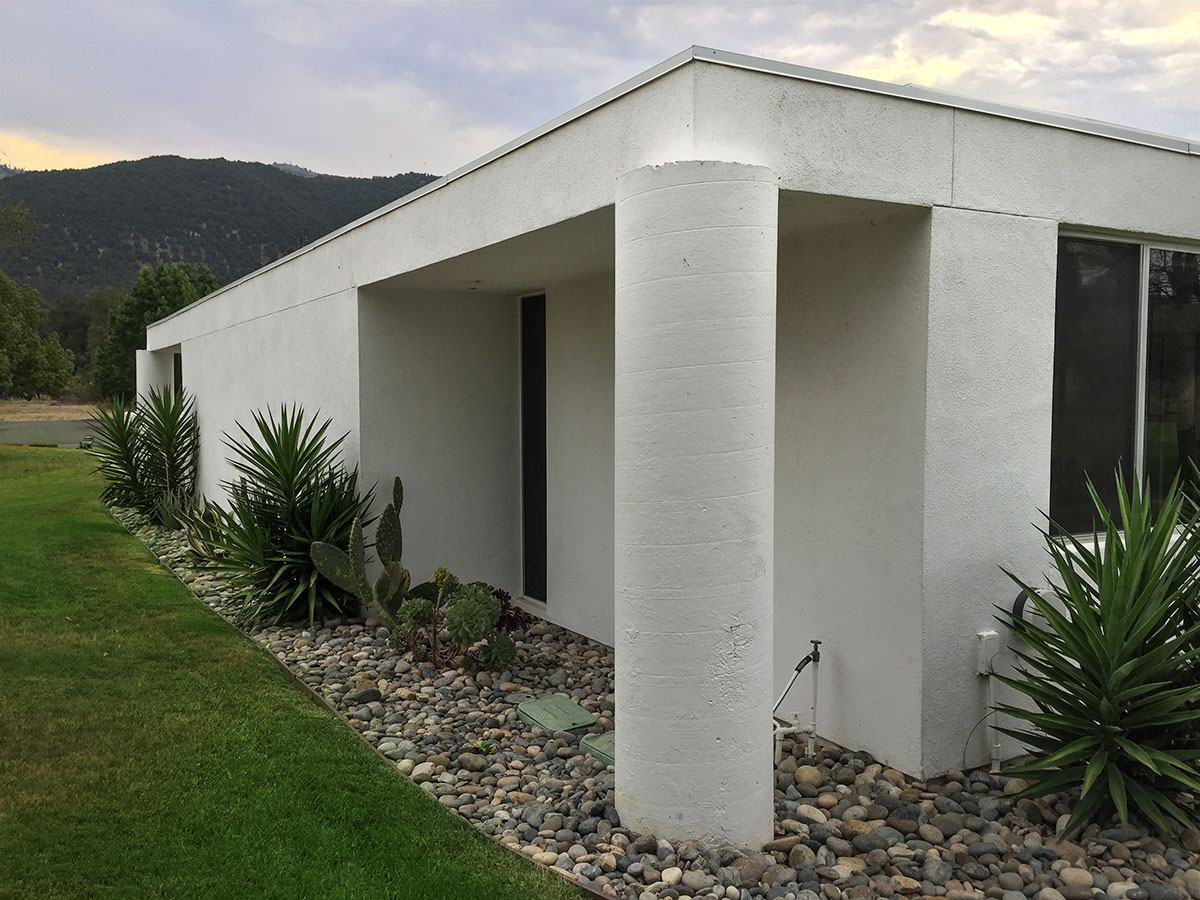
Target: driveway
(66, 433)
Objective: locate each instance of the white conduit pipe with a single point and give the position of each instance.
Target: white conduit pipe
(781, 729)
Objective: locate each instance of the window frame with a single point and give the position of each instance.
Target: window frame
(1145, 243)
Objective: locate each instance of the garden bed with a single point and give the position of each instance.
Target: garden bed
(847, 828)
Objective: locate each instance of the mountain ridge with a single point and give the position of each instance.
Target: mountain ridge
(99, 226)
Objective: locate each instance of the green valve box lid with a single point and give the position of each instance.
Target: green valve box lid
(601, 746)
(556, 713)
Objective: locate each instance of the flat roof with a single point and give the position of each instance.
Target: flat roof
(1079, 124)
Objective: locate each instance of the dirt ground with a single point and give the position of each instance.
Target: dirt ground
(43, 411)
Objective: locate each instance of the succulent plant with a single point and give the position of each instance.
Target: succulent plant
(471, 614)
(348, 569)
(499, 651)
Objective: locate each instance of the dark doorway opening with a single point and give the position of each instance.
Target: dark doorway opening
(533, 444)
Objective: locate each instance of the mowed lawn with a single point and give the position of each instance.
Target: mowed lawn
(148, 749)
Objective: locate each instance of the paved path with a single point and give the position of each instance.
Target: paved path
(67, 433)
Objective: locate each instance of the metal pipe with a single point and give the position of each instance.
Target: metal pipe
(812, 721)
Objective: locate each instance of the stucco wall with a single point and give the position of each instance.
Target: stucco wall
(825, 139)
(440, 408)
(306, 355)
(848, 503)
(987, 451)
(1078, 179)
(579, 456)
(155, 369)
(838, 140)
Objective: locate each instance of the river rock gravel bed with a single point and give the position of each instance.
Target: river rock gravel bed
(846, 827)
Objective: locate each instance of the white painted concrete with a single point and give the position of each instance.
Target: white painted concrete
(825, 139)
(914, 382)
(579, 456)
(440, 408)
(987, 450)
(849, 473)
(154, 369)
(1076, 179)
(695, 409)
(308, 355)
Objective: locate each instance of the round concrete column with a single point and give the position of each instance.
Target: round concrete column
(694, 507)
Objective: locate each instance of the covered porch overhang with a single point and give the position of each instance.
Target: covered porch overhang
(699, 656)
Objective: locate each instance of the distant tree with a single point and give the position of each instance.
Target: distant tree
(68, 321)
(156, 293)
(18, 227)
(29, 363)
(97, 306)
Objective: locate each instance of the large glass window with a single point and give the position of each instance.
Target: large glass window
(1172, 363)
(1126, 360)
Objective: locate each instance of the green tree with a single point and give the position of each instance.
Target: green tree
(97, 306)
(18, 227)
(156, 293)
(29, 363)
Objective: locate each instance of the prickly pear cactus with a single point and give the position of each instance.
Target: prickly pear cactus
(389, 539)
(335, 565)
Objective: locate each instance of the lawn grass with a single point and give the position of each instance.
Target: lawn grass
(148, 749)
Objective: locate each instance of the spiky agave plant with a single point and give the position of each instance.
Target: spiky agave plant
(292, 490)
(1111, 669)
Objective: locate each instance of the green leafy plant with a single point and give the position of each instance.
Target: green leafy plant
(201, 524)
(147, 454)
(471, 614)
(1111, 668)
(348, 569)
(499, 651)
(416, 616)
(118, 450)
(292, 490)
(171, 442)
(170, 508)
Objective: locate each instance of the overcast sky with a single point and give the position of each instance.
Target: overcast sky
(353, 87)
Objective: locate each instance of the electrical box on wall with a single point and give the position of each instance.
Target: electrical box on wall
(989, 646)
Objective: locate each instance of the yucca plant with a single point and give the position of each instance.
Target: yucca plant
(1112, 667)
(292, 490)
(170, 443)
(119, 453)
(147, 454)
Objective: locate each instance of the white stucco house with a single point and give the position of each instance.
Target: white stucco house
(738, 355)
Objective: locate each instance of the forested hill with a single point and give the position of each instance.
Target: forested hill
(100, 226)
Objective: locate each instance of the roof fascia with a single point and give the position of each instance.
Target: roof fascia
(944, 98)
(755, 64)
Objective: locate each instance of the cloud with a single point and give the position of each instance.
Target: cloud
(376, 87)
(1184, 30)
(22, 151)
(1019, 23)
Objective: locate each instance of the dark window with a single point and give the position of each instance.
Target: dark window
(533, 444)
(1097, 382)
(1095, 374)
(177, 372)
(1172, 363)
